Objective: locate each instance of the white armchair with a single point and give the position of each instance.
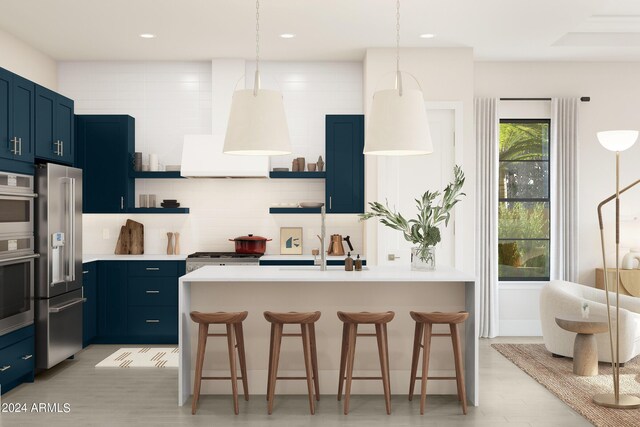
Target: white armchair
(566, 298)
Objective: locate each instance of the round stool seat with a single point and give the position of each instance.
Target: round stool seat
(365, 317)
(218, 317)
(438, 317)
(292, 317)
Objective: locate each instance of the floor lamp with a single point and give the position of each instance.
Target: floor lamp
(616, 140)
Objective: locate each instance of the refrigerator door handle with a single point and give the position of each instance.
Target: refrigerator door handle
(71, 231)
(63, 307)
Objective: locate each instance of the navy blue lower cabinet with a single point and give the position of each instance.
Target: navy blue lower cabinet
(90, 307)
(138, 302)
(112, 302)
(345, 163)
(17, 358)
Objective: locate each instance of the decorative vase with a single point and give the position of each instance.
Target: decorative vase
(320, 164)
(423, 258)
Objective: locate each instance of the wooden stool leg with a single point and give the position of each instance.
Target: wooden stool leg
(273, 330)
(203, 330)
(242, 358)
(277, 341)
(353, 330)
(462, 393)
(231, 340)
(417, 339)
(343, 357)
(314, 359)
(455, 359)
(425, 365)
(384, 366)
(307, 364)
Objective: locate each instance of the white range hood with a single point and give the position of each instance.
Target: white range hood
(202, 157)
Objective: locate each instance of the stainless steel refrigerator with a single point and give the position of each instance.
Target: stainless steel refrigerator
(58, 289)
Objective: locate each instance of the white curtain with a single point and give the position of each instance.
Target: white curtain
(564, 189)
(486, 128)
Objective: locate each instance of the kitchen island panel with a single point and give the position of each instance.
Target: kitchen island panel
(327, 296)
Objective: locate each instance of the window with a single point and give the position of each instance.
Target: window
(523, 204)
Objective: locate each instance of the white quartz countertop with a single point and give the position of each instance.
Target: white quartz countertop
(304, 257)
(313, 274)
(144, 257)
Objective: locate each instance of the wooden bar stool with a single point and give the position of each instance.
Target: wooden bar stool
(235, 339)
(424, 325)
(347, 354)
(308, 334)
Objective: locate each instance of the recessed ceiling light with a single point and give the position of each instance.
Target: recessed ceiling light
(148, 36)
(427, 36)
(287, 35)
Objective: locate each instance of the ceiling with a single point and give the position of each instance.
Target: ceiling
(598, 30)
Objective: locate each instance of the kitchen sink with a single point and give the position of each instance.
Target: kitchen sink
(317, 268)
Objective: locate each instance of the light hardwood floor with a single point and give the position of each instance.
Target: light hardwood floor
(127, 397)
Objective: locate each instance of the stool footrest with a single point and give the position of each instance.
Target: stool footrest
(419, 378)
(366, 335)
(440, 335)
(291, 378)
(291, 335)
(364, 378)
(219, 378)
(216, 335)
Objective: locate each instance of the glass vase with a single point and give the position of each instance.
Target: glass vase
(423, 258)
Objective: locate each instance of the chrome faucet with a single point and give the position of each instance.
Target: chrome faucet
(323, 235)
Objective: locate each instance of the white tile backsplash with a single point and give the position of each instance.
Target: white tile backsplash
(172, 99)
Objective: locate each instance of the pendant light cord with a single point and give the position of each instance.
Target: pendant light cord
(256, 83)
(398, 76)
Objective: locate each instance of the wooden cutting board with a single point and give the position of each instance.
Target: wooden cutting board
(131, 239)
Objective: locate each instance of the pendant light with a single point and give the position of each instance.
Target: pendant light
(397, 124)
(257, 124)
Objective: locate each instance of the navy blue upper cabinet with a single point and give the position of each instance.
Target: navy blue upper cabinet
(104, 148)
(54, 128)
(16, 117)
(345, 163)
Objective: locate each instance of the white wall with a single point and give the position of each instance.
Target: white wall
(171, 99)
(444, 75)
(26, 61)
(614, 92)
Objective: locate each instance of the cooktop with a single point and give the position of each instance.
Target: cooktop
(221, 255)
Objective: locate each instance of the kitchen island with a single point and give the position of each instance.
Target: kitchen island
(256, 289)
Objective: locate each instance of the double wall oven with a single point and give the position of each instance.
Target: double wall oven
(16, 251)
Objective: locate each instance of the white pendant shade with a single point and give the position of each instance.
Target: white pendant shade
(257, 124)
(398, 125)
(618, 140)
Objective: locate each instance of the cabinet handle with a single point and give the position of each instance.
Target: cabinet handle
(27, 356)
(152, 321)
(19, 146)
(153, 268)
(152, 292)
(57, 150)
(85, 271)
(14, 151)
(61, 148)
(329, 202)
(121, 203)
(4, 368)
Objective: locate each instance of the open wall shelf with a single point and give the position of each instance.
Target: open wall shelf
(155, 175)
(298, 175)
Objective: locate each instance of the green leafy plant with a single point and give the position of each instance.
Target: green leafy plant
(424, 230)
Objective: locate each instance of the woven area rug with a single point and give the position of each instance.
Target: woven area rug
(147, 357)
(556, 374)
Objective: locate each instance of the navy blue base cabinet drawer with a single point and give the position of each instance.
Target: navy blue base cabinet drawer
(153, 291)
(152, 322)
(152, 268)
(17, 358)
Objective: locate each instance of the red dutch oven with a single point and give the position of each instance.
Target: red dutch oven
(251, 244)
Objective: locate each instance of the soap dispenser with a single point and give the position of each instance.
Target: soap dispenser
(348, 263)
(358, 263)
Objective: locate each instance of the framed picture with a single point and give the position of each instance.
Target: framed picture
(290, 240)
